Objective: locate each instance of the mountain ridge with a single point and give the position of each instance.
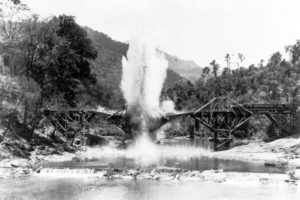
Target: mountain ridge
(107, 68)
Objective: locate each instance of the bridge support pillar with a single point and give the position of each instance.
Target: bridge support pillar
(221, 139)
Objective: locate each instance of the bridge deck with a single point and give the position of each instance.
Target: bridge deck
(221, 115)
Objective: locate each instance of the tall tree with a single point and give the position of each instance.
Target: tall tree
(228, 60)
(294, 51)
(74, 59)
(241, 57)
(215, 66)
(11, 18)
(205, 72)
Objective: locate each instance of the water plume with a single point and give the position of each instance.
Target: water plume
(168, 106)
(144, 72)
(146, 153)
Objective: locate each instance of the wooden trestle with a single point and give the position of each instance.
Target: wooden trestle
(222, 116)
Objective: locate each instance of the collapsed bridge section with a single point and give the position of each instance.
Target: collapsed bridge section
(222, 116)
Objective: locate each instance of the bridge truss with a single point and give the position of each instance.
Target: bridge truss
(222, 116)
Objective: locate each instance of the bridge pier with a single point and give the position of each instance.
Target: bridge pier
(221, 140)
(222, 116)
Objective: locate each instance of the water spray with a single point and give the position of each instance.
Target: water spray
(144, 72)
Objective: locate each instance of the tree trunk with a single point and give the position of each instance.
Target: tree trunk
(25, 119)
(35, 120)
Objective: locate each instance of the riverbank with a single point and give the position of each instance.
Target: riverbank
(280, 153)
(172, 174)
(283, 152)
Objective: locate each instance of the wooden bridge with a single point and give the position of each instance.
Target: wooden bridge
(222, 116)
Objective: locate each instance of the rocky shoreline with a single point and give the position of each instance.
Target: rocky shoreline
(280, 153)
(173, 174)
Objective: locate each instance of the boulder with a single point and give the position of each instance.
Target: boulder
(95, 140)
(295, 175)
(20, 163)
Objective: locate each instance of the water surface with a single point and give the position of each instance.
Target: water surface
(88, 189)
(181, 152)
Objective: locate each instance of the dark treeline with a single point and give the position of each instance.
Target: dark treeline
(56, 63)
(44, 63)
(274, 82)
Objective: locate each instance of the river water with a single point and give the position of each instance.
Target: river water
(66, 188)
(181, 152)
(49, 188)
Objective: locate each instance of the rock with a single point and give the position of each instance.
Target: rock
(45, 151)
(133, 173)
(38, 170)
(264, 180)
(20, 163)
(76, 159)
(239, 143)
(93, 140)
(26, 171)
(176, 177)
(157, 142)
(278, 164)
(295, 175)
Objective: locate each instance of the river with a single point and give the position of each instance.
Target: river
(85, 187)
(49, 188)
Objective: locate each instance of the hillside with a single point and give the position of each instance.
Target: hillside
(107, 68)
(186, 68)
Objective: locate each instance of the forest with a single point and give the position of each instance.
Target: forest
(56, 63)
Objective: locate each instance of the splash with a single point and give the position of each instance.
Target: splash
(146, 153)
(144, 72)
(168, 106)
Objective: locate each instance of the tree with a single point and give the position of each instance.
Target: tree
(205, 72)
(215, 66)
(261, 63)
(227, 59)
(11, 18)
(226, 71)
(294, 51)
(275, 59)
(57, 54)
(73, 62)
(241, 57)
(53, 53)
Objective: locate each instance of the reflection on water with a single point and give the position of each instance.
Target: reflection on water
(72, 188)
(182, 153)
(201, 163)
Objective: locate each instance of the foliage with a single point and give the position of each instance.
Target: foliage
(44, 58)
(276, 82)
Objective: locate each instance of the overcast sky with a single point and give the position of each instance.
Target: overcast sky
(200, 30)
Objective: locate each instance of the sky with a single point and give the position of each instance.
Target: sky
(199, 30)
